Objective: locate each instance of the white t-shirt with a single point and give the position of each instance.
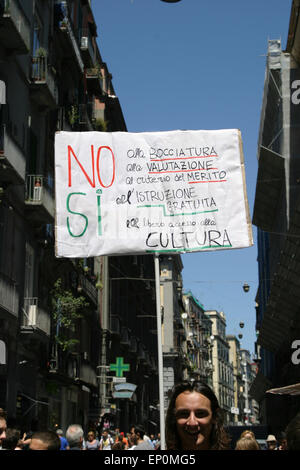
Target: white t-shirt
(106, 443)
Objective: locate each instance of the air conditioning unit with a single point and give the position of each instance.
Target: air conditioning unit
(32, 315)
(84, 42)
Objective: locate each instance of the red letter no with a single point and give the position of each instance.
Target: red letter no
(98, 169)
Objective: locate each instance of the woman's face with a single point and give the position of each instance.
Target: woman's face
(91, 436)
(194, 420)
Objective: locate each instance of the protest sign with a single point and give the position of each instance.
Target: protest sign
(155, 192)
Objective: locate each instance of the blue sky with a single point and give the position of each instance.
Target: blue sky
(198, 64)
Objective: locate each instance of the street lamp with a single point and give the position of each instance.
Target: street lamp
(246, 287)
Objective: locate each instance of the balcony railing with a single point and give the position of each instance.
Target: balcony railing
(39, 195)
(12, 158)
(88, 288)
(43, 84)
(94, 80)
(69, 40)
(15, 28)
(86, 113)
(9, 296)
(35, 317)
(115, 325)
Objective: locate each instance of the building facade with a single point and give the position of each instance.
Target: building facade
(198, 332)
(63, 322)
(276, 215)
(235, 359)
(223, 376)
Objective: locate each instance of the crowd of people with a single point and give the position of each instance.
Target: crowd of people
(76, 439)
(194, 421)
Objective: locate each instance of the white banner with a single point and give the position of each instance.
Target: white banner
(137, 193)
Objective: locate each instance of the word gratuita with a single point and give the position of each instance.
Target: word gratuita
(183, 152)
(194, 205)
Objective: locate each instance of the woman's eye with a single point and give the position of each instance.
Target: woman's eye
(182, 414)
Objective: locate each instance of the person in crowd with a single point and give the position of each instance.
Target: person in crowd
(44, 440)
(118, 446)
(293, 433)
(63, 441)
(132, 441)
(147, 438)
(194, 419)
(3, 426)
(153, 440)
(74, 436)
(271, 442)
(106, 441)
(121, 438)
(142, 444)
(28, 434)
(92, 443)
(282, 442)
(11, 440)
(157, 445)
(247, 433)
(247, 443)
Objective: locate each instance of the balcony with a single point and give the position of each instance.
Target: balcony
(86, 115)
(43, 87)
(85, 286)
(68, 40)
(115, 325)
(133, 347)
(94, 80)
(14, 27)
(12, 159)
(39, 199)
(35, 320)
(87, 46)
(141, 355)
(88, 375)
(125, 338)
(9, 295)
(63, 122)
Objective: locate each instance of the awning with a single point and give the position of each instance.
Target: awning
(289, 390)
(2, 92)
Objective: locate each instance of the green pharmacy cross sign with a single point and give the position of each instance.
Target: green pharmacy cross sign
(119, 367)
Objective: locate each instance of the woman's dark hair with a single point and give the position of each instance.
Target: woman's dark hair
(219, 440)
(293, 433)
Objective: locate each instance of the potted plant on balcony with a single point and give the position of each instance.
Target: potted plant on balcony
(63, 24)
(94, 71)
(73, 115)
(100, 125)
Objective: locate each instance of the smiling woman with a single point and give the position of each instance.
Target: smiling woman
(194, 419)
